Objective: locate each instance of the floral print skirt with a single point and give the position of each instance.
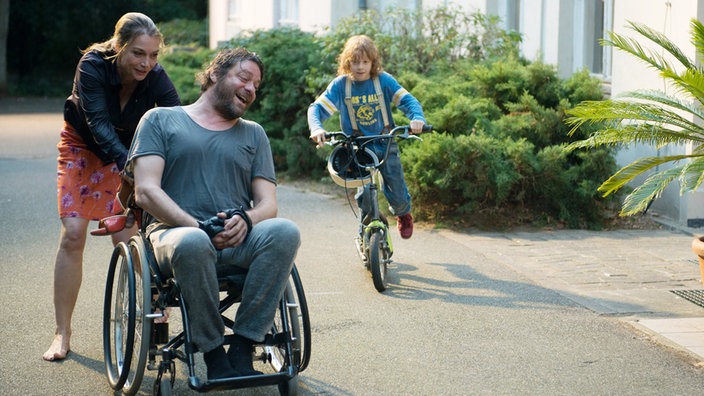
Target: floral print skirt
(86, 187)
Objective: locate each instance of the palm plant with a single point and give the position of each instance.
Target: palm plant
(651, 117)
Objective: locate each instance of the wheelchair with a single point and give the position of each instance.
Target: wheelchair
(137, 294)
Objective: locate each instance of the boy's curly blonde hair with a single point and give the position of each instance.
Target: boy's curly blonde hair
(355, 47)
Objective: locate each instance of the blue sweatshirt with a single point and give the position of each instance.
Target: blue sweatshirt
(365, 104)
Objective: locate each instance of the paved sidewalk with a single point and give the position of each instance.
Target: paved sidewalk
(629, 274)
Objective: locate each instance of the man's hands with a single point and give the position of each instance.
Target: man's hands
(228, 228)
(213, 225)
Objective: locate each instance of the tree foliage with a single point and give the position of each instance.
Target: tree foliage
(45, 37)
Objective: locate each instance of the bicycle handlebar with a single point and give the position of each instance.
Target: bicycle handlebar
(401, 132)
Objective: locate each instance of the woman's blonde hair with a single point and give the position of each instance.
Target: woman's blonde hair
(127, 28)
(355, 47)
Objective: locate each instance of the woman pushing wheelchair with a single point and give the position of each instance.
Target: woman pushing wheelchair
(116, 82)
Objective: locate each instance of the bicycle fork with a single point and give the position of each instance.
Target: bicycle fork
(377, 224)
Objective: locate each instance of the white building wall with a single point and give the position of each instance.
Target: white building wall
(257, 15)
(217, 22)
(315, 21)
(228, 18)
(549, 32)
(531, 25)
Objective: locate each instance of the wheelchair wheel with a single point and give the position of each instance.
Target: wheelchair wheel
(378, 260)
(293, 313)
(126, 329)
(118, 317)
(143, 307)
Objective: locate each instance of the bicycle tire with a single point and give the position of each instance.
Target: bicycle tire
(377, 260)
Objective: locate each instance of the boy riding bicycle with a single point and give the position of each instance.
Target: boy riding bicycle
(362, 93)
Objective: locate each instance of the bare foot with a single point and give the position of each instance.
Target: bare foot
(59, 348)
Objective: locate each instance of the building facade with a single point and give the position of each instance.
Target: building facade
(564, 33)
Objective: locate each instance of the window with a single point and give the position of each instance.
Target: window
(592, 19)
(234, 10)
(287, 12)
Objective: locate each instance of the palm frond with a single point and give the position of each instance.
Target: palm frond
(615, 110)
(697, 29)
(634, 48)
(692, 175)
(667, 100)
(639, 199)
(689, 83)
(633, 170)
(657, 136)
(634, 122)
(662, 41)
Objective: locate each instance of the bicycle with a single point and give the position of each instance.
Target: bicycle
(353, 164)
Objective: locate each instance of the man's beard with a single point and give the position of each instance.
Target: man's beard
(224, 103)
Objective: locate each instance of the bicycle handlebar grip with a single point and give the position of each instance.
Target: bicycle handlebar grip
(427, 128)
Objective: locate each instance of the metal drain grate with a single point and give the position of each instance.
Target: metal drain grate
(693, 296)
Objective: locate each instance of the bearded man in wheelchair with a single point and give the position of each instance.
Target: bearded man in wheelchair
(205, 179)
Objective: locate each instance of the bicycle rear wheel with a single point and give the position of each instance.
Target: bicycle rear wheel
(378, 260)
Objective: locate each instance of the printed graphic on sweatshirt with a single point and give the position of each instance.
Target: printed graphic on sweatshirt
(366, 109)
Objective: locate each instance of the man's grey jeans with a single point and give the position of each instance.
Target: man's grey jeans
(187, 254)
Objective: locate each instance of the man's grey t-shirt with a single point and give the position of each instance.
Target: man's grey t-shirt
(205, 171)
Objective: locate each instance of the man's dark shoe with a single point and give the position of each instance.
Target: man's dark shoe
(218, 364)
(405, 225)
(240, 356)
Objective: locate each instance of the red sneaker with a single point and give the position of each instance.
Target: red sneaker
(405, 225)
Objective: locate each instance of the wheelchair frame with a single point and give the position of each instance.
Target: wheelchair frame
(133, 301)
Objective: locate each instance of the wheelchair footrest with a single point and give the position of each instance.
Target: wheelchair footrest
(239, 382)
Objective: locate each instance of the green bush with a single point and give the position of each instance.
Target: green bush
(567, 188)
(461, 176)
(182, 64)
(502, 151)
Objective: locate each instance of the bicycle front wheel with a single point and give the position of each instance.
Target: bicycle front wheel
(378, 260)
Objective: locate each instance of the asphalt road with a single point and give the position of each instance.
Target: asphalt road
(453, 322)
